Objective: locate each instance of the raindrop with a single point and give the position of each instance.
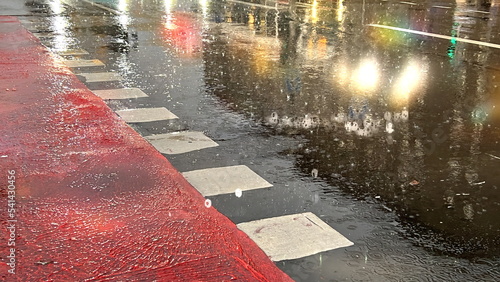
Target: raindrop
(354, 126)
(208, 203)
(238, 193)
(340, 117)
(405, 115)
(388, 128)
(471, 176)
(315, 198)
(449, 199)
(273, 119)
(348, 126)
(367, 123)
(307, 122)
(286, 121)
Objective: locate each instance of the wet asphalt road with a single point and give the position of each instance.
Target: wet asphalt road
(390, 137)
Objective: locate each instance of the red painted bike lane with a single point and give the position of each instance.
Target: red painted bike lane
(86, 198)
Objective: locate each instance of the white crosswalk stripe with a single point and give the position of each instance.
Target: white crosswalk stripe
(180, 142)
(101, 76)
(72, 52)
(293, 236)
(120, 93)
(145, 115)
(83, 63)
(225, 180)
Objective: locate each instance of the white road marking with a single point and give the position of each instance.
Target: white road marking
(101, 76)
(487, 44)
(180, 142)
(72, 52)
(83, 63)
(121, 93)
(225, 180)
(293, 236)
(145, 115)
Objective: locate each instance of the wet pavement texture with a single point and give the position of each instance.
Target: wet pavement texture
(390, 137)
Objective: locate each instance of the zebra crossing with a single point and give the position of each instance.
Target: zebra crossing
(281, 238)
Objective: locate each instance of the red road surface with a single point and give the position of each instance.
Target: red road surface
(94, 200)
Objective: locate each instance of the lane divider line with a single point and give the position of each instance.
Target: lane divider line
(487, 44)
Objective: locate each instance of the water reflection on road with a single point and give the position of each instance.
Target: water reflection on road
(409, 119)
